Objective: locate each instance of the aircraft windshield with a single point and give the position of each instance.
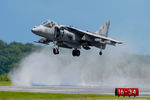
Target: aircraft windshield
(49, 23)
(46, 22)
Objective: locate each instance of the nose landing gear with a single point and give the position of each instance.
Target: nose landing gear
(76, 52)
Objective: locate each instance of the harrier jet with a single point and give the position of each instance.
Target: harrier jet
(73, 38)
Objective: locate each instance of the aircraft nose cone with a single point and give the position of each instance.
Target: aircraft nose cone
(36, 30)
(33, 30)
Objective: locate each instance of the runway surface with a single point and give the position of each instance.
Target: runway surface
(70, 89)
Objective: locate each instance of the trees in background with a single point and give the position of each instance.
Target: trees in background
(11, 54)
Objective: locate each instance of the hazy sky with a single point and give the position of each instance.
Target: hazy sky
(130, 19)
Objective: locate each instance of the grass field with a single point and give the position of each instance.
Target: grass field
(51, 96)
(5, 83)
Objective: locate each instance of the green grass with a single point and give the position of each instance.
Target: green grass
(54, 96)
(5, 83)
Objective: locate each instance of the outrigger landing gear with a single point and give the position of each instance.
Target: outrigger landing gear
(100, 53)
(76, 52)
(55, 51)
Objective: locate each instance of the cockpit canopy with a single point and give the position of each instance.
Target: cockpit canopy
(49, 23)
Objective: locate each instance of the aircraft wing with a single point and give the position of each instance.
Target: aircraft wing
(96, 37)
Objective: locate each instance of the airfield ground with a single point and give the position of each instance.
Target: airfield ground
(8, 92)
(5, 83)
(52, 96)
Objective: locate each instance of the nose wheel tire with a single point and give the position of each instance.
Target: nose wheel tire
(76, 53)
(55, 51)
(100, 53)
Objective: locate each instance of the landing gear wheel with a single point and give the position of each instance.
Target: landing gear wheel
(73, 53)
(100, 53)
(55, 51)
(76, 53)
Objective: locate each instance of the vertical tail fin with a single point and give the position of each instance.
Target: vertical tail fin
(103, 30)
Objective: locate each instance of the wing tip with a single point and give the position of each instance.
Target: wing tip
(120, 42)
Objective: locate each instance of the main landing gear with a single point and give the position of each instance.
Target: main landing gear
(56, 51)
(100, 53)
(76, 52)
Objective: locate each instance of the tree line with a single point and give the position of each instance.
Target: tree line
(11, 54)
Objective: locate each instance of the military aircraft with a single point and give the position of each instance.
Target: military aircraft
(71, 37)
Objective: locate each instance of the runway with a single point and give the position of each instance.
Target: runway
(70, 89)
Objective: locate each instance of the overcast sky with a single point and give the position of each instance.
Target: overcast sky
(130, 19)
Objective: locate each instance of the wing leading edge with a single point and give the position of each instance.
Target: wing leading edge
(96, 37)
